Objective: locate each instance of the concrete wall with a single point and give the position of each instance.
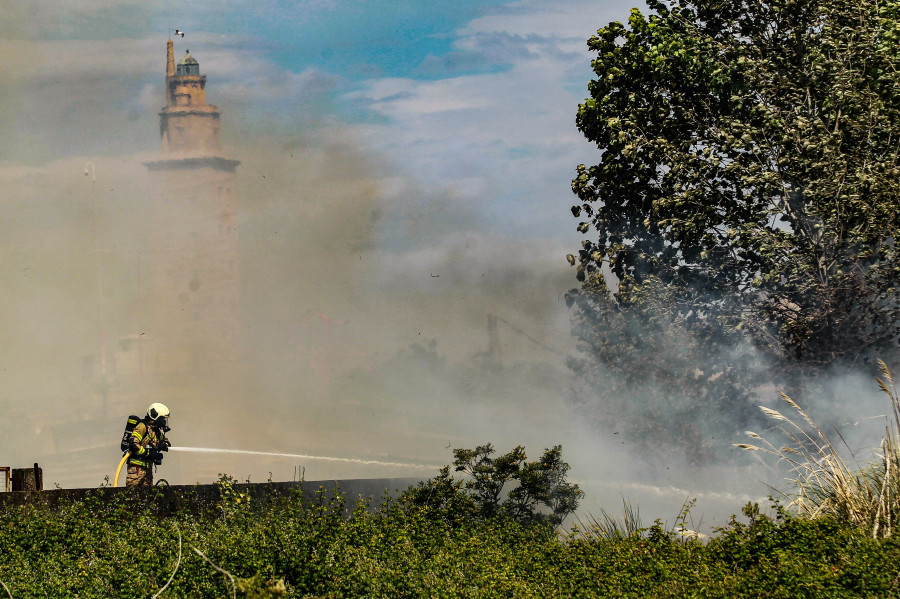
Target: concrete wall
(199, 499)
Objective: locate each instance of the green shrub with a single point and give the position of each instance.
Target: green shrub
(507, 486)
(314, 548)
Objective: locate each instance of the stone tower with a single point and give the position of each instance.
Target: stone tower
(188, 124)
(194, 279)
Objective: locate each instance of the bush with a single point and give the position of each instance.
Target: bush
(539, 491)
(310, 547)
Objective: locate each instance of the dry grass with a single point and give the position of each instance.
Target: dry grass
(607, 526)
(868, 495)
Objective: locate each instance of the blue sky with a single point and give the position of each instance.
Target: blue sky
(466, 109)
(327, 54)
(460, 115)
(364, 40)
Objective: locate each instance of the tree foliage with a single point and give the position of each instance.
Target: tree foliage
(504, 486)
(749, 178)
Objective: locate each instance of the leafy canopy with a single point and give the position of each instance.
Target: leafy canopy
(504, 486)
(749, 178)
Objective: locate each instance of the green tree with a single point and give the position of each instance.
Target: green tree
(506, 486)
(748, 183)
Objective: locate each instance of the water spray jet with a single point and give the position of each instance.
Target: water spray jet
(306, 457)
(286, 455)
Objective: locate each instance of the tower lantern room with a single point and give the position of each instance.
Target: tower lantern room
(188, 125)
(188, 65)
(187, 87)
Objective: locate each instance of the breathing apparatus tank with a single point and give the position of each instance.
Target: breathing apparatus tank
(129, 427)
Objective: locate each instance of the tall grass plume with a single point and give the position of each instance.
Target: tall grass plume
(866, 495)
(608, 526)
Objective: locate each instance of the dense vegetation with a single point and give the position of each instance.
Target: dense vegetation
(741, 217)
(749, 172)
(468, 537)
(308, 547)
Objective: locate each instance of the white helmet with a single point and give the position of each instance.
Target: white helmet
(157, 411)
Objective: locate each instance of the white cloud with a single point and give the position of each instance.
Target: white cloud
(513, 130)
(576, 19)
(398, 97)
(485, 159)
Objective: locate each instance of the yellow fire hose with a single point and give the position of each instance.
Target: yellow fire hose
(119, 470)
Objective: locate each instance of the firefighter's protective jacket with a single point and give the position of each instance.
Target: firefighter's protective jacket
(143, 437)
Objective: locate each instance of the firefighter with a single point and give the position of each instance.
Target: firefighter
(148, 441)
